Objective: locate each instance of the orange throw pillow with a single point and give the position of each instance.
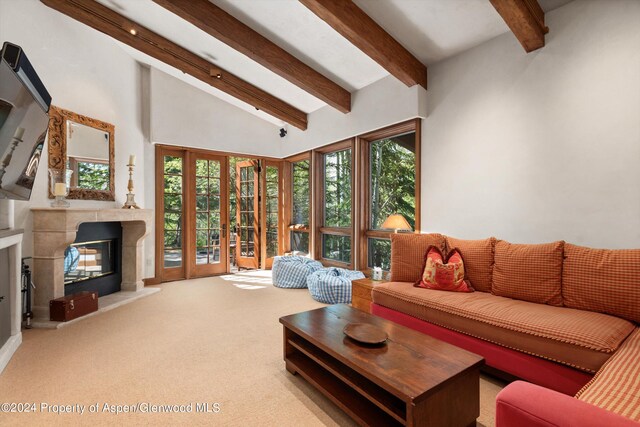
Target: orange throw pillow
(443, 274)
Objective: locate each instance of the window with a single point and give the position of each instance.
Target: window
(356, 185)
(390, 161)
(271, 209)
(300, 204)
(335, 215)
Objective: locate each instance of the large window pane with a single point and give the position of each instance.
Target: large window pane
(337, 248)
(393, 179)
(301, 190)
(337, 189)
(300, 243)
(379, 253)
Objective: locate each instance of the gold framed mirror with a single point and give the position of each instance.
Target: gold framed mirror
(84, 146)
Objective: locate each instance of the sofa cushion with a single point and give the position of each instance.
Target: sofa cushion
(616, 387)
(444, 274)
(581, 339)
(478, 260)
(407, 254)
(602, 280)
(529, 272)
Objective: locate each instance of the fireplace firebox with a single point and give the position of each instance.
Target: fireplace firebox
(94, 261)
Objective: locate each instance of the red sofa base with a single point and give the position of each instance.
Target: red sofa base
(530, 368)
(526, 405)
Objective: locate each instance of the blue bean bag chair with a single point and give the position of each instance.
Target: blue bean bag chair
(332, 285)
(291, 271)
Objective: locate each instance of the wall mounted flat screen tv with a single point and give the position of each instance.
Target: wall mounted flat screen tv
(24, 118)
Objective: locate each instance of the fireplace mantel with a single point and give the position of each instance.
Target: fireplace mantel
(55, 229)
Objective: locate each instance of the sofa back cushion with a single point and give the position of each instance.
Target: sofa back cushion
(602, 280)
(529, 272)
(478, 260)
(407, 254)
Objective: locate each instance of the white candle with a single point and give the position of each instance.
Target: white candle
(60, 189)
(132, 160)
(19, 133)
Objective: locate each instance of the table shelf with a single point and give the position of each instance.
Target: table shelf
(390, 404)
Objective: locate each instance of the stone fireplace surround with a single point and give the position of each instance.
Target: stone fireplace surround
(55, 229)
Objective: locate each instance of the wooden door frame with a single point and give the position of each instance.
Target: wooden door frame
(161, 273)
(224, 213)
(255, 263)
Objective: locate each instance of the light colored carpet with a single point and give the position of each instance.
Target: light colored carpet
(213, 340)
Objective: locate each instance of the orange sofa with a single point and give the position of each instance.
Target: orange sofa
(558, 315)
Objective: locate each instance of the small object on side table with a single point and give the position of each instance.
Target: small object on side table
(361, 293)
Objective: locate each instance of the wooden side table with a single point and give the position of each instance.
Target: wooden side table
(361, 293)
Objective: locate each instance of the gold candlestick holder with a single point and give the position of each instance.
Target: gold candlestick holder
(131, 202)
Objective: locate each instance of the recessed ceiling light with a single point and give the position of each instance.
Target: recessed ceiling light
(133, 31)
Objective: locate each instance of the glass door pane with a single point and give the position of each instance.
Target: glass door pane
(170, 214)
(172, 211)
(247, 214)
(210, 248)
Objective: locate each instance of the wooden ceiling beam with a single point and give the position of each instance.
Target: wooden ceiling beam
(362, 31)
(525, 18)
(224, 27)
(129, 32)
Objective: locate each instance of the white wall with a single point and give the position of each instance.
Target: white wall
(385, 102)
(183, 115)
(85, 72)
(541, 146)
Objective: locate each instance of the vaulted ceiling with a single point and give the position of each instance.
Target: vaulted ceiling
(321, 45)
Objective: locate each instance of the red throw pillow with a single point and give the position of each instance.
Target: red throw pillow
(443, 274)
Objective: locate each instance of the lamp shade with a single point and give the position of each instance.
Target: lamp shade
(396, 222)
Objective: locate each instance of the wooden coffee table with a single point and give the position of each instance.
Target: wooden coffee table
(412, 379)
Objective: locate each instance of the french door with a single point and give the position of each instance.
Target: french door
(170, 219)
(247, 211)
(191, 214)
(208, 214)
